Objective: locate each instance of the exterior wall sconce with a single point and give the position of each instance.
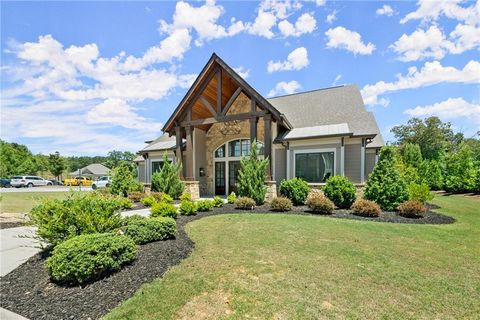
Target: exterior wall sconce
(202, 172)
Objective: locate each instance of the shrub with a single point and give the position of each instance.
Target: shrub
(460, 171)
(419, 192)
(163, 209)
(412, 155)
(340, 191)
(430, 172)
(125, 203)
(252, 175)
(204, 205)
(411, 209)
(158, 196)
(476, 181)
(318, 203)
(151, 229)
(148, 201)
(188, 207)
(167, 180)
(295, 189)
(136, 196)
(281, 204)
(365, 208)
(385, 186)
(245, 203)
(231, 198)
(88, 257)
(79, 213)
(130, 219)
(217, 202)
(186, 196)
(123, 180)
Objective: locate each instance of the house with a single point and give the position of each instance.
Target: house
(94, 170)
(312, 135)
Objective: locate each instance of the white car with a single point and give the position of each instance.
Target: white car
(103, 182)
(29, 181)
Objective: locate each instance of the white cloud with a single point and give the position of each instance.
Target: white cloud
(320, 3)
(451, 108)
(331, 17)
(280, 8)
(296, 60)
(432, 10)
(242, 72)
(342, 38)
(306, 23)
(284, 88)
(263, 24)
(432, 43)
(431, 73)
(385, 10)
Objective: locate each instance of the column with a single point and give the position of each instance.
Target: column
(362, 162)
(178, 153)
(268, 143)
(189, 155)
(342, 158)
(288, 161)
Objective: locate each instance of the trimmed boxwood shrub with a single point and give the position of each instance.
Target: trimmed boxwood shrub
(385, 185)
(245, 203)
(89, 257)
(231, 198)
(204, 205)
(411, 209)
(281, 204)
(150, 229)
(295, 189)
(79, 213)
(148, 201)
(365, 208)
(318, 203)
(340, 191)
(162, 209)
(188, 208)
(217, 202)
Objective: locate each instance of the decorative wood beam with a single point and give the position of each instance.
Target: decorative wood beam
(219, 91)
(231, 100)
(239, 116)
(207, 104)
(178, 136)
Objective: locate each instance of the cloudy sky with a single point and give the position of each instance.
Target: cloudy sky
(89, 77)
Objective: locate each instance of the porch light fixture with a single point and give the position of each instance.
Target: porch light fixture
(202, 172)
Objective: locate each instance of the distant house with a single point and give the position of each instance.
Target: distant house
(94, 171)
(312, 135)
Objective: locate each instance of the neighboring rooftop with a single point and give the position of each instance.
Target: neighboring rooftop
(94, 169)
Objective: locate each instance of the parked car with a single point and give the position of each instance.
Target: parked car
(103, 182)
(5, 183)
(56, 182)
(29, 181)
(78, 181)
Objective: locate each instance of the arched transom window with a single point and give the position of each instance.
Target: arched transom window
(237, 148)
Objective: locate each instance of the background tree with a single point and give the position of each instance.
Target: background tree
(56, 164)
(460, 171)
(412, 155)
(115, 158)
(252, 175)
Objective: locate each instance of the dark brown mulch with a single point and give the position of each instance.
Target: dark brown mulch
(8, 225)
(29, 292)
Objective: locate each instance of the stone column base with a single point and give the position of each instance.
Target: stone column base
(192, 187)
(147, 188)
(271, 190)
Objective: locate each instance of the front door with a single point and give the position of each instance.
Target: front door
(220, 178)
(233, 167)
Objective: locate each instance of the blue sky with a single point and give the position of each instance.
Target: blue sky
(89, 77)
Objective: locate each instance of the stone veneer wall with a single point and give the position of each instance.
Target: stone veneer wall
(215, 138)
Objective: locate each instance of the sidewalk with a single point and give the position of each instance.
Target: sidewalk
(16, 247)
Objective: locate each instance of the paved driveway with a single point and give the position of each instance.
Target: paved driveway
(45, 189)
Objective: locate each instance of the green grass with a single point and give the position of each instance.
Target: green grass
(304, 267)
(23, 202)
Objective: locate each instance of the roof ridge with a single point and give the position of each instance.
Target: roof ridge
(313, 90)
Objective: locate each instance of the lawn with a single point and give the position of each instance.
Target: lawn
(20, 202)
(307, 267)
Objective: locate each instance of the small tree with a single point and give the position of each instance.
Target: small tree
(412, 155)
(385, 185)
(122, 180)
(56, 164)
(252, 176)
(167, 180)
(430, 172)
(460, 171)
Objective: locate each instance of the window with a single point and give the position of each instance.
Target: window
(245, 147)
(234, 148)
(220, 152)
(314, 166)
(156, 166)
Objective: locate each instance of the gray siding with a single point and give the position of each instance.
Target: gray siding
(369, 163)
(280, 165)
(352, 162)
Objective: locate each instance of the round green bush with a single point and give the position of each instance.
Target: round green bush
(188, 208)
(231, 198)
(148, 201)
(162, 209)
(217, 202)
(295, 189)
(204, 205)
(151, 229)
(89, 257)
(340, 191)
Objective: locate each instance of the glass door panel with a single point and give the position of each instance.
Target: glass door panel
(220, 178)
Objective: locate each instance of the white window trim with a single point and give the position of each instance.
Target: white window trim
(303, 151)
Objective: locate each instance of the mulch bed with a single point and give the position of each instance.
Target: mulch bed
(29, 292)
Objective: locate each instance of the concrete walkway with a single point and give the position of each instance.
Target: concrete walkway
(8, 315)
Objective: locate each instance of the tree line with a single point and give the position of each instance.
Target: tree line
(17, 159)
